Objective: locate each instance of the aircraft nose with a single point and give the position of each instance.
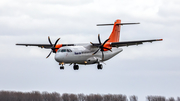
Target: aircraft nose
(58, 57)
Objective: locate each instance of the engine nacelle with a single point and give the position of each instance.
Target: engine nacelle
(92, 60)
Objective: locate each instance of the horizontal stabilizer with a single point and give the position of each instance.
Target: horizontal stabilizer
(117, 24)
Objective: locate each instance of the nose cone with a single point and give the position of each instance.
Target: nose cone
(58, 57)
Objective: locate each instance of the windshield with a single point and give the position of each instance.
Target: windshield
(64, 50)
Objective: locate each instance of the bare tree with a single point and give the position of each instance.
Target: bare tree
(73, 97)
(55, 96)
(82, 97)
(156, 98)
(148, 98)
(36, 96)
(119, 97)
(90, 97)
(45, 96)
(171, 99)
(4, 96)
(98, 97)
(108, 97)
(178, 98)
(133, 98)
(65, 97)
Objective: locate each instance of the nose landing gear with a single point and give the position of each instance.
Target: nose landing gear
(61, 67)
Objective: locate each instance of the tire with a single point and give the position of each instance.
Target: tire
(76, 67)
(99, 66)
(62, 67)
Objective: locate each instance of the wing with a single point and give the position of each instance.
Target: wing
(47, 46)
(130, 43)
(38, 45)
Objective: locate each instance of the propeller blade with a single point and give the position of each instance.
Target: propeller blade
(101, 46)
(97, 45)
(53, 47)
(102, 55)
(99, 39)
(49, 54)
(56, 42)
(92, 43)
(95, 52)
(107, 49)
(50, 41)
(105, 42)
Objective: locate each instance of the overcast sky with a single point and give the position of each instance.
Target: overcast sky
(148, 69)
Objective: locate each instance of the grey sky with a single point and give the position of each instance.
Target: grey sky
(148, 69)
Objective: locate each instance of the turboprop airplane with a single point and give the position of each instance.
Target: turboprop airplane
(92, 53)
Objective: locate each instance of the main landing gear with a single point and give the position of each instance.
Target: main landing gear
(99, 66)
(76, 67)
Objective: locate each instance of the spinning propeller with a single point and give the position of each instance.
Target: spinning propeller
(53, 47)
(100, 47)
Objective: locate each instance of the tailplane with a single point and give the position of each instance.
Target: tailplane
(115, 35)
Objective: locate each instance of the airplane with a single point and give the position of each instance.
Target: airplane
(90, 53)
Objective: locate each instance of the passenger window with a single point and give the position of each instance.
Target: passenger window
(63, 50)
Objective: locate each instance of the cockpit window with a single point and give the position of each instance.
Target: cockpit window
(64, 50)
(68, 50)
(59, 50)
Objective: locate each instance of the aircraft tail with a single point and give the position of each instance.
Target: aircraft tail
(115, 35)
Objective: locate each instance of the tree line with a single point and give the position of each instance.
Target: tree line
(54, 96)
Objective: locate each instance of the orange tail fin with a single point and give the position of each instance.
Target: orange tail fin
(114, 37)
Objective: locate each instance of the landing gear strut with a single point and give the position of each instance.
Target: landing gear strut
(76, 67)
(62, 65)
(99, 66)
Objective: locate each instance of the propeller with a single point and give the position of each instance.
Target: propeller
(53, 47)
(101, 46)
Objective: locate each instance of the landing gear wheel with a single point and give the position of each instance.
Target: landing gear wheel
(61, 67)
(76, 67)
(99, 66)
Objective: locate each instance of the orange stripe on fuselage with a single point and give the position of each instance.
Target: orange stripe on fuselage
(114, 37)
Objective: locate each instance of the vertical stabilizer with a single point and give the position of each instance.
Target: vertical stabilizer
(115, 35)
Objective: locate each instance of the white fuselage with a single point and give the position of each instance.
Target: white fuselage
(83, 54)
